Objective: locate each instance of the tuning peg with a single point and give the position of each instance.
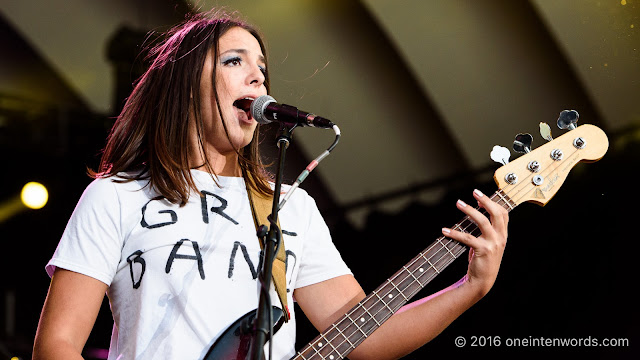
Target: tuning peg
(568, 119)
(500, 154)
(522, 143)
(545, 131)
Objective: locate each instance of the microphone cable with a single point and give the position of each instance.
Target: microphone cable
(312, 165)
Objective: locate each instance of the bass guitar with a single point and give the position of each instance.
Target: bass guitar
(534, 177)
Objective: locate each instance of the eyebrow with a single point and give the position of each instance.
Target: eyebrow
(244, 52)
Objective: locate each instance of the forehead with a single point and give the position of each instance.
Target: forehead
(238, 38)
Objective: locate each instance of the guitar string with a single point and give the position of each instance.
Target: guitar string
(387, 314)
(411, 274)
(518, 188)
(545, 172)
(351, 322)
(346, 318)
(522, 185)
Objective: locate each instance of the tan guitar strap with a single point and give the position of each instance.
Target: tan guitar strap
(261, 209)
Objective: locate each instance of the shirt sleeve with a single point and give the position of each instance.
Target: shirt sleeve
(91, 243)
(321, 260)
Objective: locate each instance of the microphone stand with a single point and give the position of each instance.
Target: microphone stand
(262, 324)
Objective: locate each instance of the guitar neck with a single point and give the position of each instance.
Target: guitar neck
(354, 327)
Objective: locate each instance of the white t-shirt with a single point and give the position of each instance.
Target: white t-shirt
(179, 276)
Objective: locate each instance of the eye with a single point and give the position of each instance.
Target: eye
(233, 61)
(263, 70)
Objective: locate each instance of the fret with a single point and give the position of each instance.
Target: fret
(399, 291)
(475, 231)
(362, 324)
(430, 264)
(442, 258)
(356, 325)
(372, 307)
(504, 197)
(371, 316)
(361, 321)
(410, 291)
(320, 346)
(410, 283)
(471, 228)
(332, 347)
(314, 348)
(413, 276)
(469, 223)
(345, 337)
(346, 342)
(382, 301)
(447, 260)
(342, 339)
(316, 352)
(358, 313)
(463, 229)
(444, 246)
(326, 348)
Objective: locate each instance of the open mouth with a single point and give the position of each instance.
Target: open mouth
(244, 105)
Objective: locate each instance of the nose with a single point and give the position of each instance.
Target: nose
(256, 77)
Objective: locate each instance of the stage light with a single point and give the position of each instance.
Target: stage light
(34, 195)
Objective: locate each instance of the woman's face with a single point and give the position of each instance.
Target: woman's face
(240, 77)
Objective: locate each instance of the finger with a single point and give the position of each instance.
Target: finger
(477, 217)
(462, 237)
(498, 215)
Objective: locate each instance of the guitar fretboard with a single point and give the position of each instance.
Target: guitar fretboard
(354, 327)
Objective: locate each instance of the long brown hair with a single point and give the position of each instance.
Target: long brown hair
(149, 139)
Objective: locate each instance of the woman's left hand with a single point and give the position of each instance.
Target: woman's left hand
(485, 253)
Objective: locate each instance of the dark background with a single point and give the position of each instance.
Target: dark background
(569, 270)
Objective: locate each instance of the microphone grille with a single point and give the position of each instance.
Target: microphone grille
(257, 108)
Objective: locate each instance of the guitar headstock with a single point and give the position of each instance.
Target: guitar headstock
(537, 175)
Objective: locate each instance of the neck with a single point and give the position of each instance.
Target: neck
(222, 165)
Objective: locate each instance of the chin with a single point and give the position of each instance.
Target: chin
(239, 143)
(248, 136)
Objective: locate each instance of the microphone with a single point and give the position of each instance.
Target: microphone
(265, 110)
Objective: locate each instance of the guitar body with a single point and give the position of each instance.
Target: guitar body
(235, 342)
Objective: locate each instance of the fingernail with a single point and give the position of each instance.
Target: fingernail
(478, 193)
(461, 203)
(446, 231)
